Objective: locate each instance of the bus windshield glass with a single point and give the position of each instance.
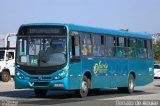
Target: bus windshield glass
(41, 51)
(1, 55)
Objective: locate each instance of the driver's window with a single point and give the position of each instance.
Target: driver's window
(10, 55)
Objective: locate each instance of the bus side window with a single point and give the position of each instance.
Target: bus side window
(141, 49)
(132, 48)
(121, 47)
(75, 46)
(86, 44)
(109, 46)
(96, 45)
(149, 49)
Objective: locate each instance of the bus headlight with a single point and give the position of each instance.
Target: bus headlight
(61, 75)
(19, 75)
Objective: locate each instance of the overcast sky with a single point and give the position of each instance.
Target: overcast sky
(135, 15)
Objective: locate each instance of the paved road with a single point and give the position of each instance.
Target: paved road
(143, 96)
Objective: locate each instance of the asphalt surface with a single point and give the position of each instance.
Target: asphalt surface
(148, 95)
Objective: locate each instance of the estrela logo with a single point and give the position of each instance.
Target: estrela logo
(100, 68)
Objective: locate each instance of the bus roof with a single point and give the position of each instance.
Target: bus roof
(95, 30)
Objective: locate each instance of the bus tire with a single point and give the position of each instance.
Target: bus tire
(121, 89)
(40, 92)
(5, 76)
(94, 91)
(130, 87)
(131, 84)
(83, 92)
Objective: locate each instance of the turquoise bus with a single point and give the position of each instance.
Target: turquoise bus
(52, 56)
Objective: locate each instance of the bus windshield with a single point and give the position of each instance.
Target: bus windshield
(1, 55)
(41, 51)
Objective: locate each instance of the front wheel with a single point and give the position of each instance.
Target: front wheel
(94, 91)
(83, 92)
(121, 89)
(40, 92)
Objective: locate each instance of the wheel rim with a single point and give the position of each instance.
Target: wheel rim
(84, 87)
(131, 84)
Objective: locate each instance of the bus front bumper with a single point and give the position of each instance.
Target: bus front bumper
(41, 84)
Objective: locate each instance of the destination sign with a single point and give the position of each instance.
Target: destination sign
(42, 30)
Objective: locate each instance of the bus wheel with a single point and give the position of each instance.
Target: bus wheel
(83, 92)
(94, 91)
(40, 92)
(5, 76)
(130, 87)
(131, 82)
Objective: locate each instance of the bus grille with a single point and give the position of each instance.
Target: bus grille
(42, 78)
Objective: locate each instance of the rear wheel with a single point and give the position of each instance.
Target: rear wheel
(131, 84)
(40, 92)
(5, 76)
(83, 92)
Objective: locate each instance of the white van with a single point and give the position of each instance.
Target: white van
(7, 56)
(157, 70)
